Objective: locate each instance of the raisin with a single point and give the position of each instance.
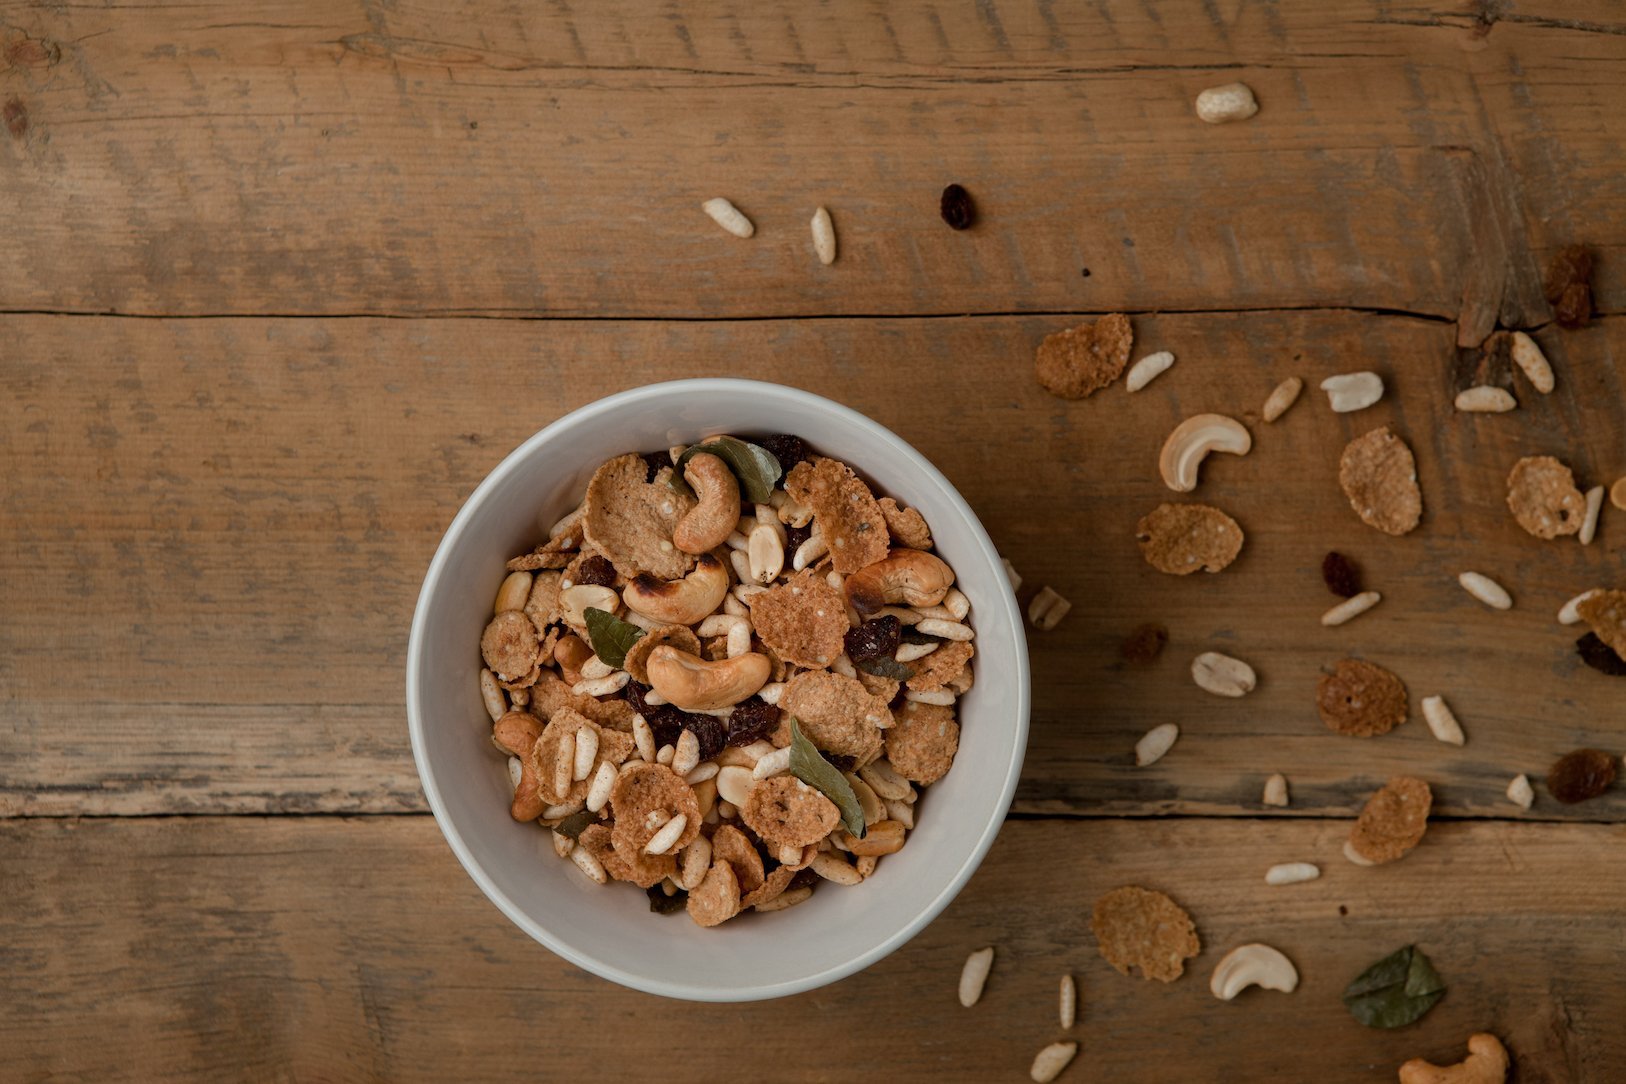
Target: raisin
(653, 462)
(795, 536)
(1569, 286)
(874, 639)
(597, 571)
(1583, 774)
(1600, 656)
(1144, 645)
(752, 720)
(805, 878)
(957, 209)
(710, 731)
(842, 762)
(668, 722)
(1341, 575)
(662, 904)
(788, 449)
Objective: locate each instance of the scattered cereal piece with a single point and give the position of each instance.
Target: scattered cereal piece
(1528, 357)
(1147, 369)
(1276, 790)
(1180, 460)
(1142, 646)
(1067, 1002)
(1361, 699)
(906, 525)
(974, 975)
(510, 646)
(1594, 507)
(1569, 286)
(938, 669)
(728, 216)
(773, 886)
(730, 845)
(1379, 476)
(1486, 590)
(1617, 494)
(837, 713)
(922, 741)
(1486, 1063)
(1137, 927)
(1080, 361)
(1181, 538)
(1393, 821)
(1230, 102)
(1542, 495)
(1349, 392)
(1222, 675)
(785, 811)
(1442, 722)
(1570, 612)
(718, 898)
(1484, 399)
(803, 620)
(630, 521)
(1155, 743)
(1015, 577)
(846, 512)
(1605, 611)
(1047, 608)
(824, 237)
(1291, 873)
(1582, 774)
(1351, 608)
(1282, 398)
(1520, 793)
(679, 636)
(1049, 1062)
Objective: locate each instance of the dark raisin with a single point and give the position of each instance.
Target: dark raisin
(788, 449)
(752, 720)
(1144, 645)
(875, 639)
(795, 536)
(597, 571)
(957, 209)
(899, 698)
(1569, 286)
(843, 762)
(653, 462)
(1600, 656)
(662, 904)
(710, 731)
(1583, 774)
(1341, 575)
(634, 694)
(805, 878)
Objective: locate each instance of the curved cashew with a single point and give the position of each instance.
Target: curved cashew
(694, 684)
(1193, 439)
(679, 602)
(910, 576)
(709, 522)
(1253, 965)
(1486, 1064)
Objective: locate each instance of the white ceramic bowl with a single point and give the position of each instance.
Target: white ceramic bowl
(609, 930)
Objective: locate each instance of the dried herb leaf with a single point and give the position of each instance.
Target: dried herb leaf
(575, 824)
(662, 904)
(1395, 991)
(886, 668)
(754, 466)
(811, 768)
(611, 636)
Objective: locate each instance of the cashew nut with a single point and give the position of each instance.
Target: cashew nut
(694, 684)
(709, 522)
(1193, 439)
(1253, 965)
(679, 602)
(1486, 1064)
(914, 577)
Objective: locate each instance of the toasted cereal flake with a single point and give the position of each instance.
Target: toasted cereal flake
(845, 511)
(907, 526)
(679, 636)
(1542, 496)
(1520, 793)
(1393, 821)
(627, 519)
(922, 741)
(1137, 927)
(803, 619)
(974, 975)
(510, 645)
(1049, 1062)
(939, 668)
(1379, 476)
(551, 693)
(1605, 611)
(786, 812)
(837, 713)
(772, 887)
(729, 844)
(1181, 538)
(543, 605)
(718, 898)
(1082, 360)
(1361, 699)
(643, 789)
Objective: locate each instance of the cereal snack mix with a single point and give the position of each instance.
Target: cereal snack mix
(1137, 927)
(727, 676)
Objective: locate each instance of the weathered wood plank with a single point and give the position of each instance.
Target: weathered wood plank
(431, 158)
(213, 534)
(298, 948)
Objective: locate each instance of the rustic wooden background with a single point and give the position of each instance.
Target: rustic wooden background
(282, 283)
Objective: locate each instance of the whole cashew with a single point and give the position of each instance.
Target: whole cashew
(909, 576)
(709, 522)
(1486, 1064)
(680, 602)
(515, 733)
(694, 684)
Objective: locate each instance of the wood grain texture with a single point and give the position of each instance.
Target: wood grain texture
(404, 157)
(320, 948)
(214, 532)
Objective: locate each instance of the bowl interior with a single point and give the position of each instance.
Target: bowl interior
(609, 930)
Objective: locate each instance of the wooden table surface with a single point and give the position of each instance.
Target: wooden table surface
(283, 282)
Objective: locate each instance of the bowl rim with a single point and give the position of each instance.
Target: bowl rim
(587, 961)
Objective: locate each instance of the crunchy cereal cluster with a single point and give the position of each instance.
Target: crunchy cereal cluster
(646, 661)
